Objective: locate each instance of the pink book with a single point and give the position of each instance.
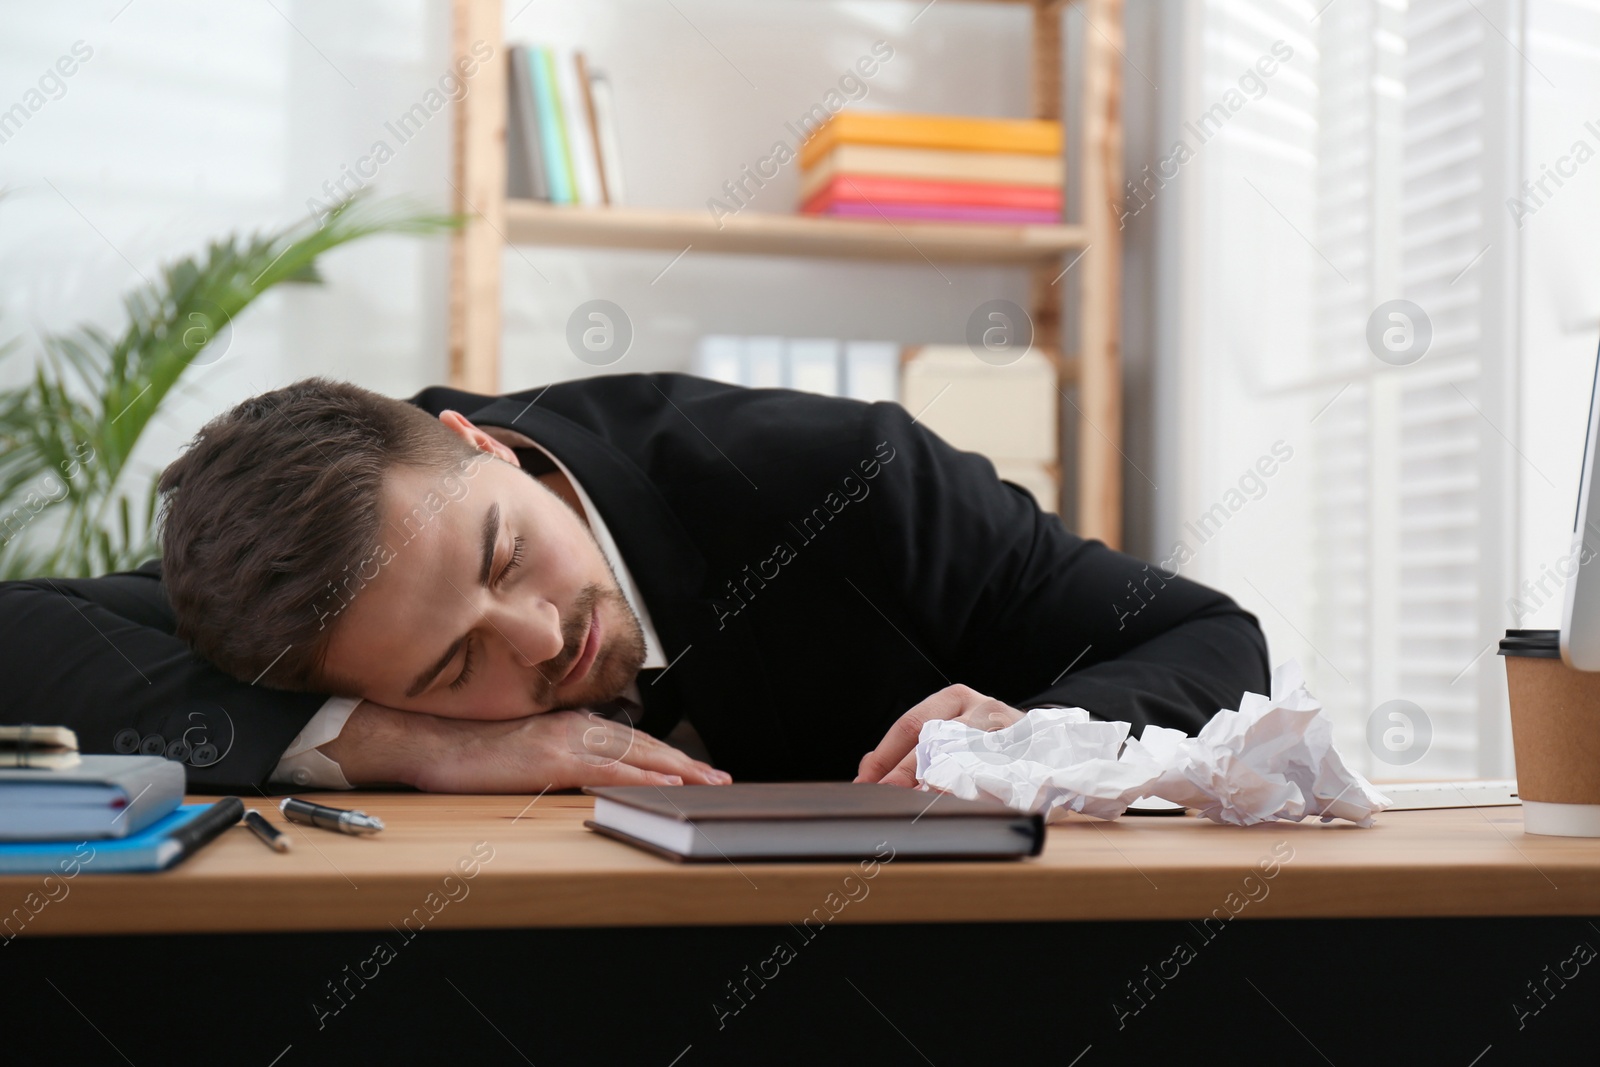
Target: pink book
(939, 213)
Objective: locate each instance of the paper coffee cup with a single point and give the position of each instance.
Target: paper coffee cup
(1555, 730)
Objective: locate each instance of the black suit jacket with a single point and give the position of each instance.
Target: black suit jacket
(813, 567)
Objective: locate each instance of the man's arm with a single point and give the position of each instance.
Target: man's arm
(1032, 615)
(555, 750)
(98, 655)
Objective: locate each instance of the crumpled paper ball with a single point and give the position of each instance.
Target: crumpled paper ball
(1273, 759)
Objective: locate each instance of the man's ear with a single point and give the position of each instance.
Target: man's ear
(463, 428)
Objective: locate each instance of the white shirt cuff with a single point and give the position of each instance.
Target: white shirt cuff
(303, 764)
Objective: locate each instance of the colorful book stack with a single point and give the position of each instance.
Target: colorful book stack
(934, 167)
(561, 133)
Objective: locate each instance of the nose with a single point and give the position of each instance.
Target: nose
(533, 632)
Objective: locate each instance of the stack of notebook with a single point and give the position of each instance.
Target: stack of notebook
(62, 812)
(97, 797)
(933, 167)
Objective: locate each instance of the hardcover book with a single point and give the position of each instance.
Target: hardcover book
(810, 821)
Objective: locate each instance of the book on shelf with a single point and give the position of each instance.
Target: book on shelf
(998, 216)
(580, 68)
(526, 177)
(582, 165)
(873, 188)
(1007, 413)
(561, 138)
(604, 106)
(931, 164)
(938, 168)
(871, 370)
(764, 362)
(1038, 137)
(558, 162)
(813, 365)
(860, 370)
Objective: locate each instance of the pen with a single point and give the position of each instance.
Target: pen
(348, 822)
(270, 835)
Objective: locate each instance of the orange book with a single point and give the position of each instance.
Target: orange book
(1037, 137)
(870, 188)
(932, 164)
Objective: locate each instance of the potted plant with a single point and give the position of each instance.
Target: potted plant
(68, 506)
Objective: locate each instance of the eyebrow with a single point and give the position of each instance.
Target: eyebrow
(491, 531)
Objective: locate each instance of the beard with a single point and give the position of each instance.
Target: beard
(620, 655)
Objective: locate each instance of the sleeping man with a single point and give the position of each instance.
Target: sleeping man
(621, 580)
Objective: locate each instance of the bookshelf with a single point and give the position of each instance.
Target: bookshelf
(1091, 367)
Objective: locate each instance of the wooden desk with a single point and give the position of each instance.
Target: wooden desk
(546, 870)
(566, 947)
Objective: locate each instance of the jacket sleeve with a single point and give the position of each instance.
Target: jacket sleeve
(98, 655)
(1031, 614)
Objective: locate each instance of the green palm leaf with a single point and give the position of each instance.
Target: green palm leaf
(67, 505)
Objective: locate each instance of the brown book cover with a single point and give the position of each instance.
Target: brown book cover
(775, 803)
(594, 127)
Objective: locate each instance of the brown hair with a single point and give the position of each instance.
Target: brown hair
(272, 504)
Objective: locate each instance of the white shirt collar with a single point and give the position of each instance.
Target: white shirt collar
(654, 657)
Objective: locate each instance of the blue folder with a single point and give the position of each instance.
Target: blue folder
(157, 847)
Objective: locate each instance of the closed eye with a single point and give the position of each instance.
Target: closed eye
(466, 668)
(466, 665)
(515, 561)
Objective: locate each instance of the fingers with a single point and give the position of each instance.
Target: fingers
(668, 760)
(903, 774)
(625, 774)
(901, 739)
(985, 714)
(601, 742)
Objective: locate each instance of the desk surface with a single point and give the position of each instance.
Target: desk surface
(545, 869)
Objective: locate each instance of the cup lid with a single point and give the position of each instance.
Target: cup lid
(1542, 644)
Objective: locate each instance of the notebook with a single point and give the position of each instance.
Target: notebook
(155, 848)
(810, 820)
(102, 796)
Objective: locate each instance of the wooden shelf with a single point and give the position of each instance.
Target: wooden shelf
(1094, 366)
(750, 233)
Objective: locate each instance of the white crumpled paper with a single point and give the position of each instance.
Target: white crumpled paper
(1273, 759)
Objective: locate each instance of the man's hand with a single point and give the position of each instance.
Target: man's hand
(556, 750)
(894, 761)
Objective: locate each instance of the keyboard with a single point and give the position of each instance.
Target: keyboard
(1475, 793)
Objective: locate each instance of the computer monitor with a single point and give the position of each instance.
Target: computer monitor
(1580, 617)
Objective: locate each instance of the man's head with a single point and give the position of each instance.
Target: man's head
(324, 538)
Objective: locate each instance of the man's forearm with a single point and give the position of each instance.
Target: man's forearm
(380, 745)
(1178, 679)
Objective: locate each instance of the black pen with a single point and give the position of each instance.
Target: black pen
(270, 835)
(346, 822)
